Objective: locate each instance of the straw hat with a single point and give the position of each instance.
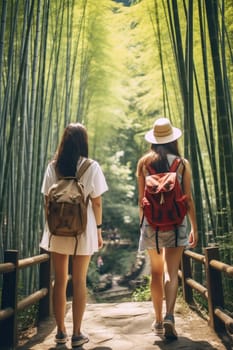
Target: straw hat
(163, 132)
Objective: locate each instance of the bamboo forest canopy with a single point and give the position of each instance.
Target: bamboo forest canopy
(115, 66)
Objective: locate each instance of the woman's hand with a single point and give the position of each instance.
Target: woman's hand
(97, 209)
(100, 239)
(193, 239)
(187, 180)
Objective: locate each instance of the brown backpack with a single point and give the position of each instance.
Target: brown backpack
(66, 207)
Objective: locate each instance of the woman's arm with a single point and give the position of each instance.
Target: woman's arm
(45, 205)
(141, 187)
(97, 209)
(187, 188)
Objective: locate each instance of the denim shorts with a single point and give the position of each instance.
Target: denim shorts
(166, 239)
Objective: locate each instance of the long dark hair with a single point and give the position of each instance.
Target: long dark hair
(73, 145)
(160, 161)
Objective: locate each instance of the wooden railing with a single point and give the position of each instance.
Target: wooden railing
(10, 306)
(213, 290)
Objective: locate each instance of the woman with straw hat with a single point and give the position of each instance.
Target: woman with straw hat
(165, 264)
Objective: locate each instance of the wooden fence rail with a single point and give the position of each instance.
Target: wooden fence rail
(10, 305)
(213, 290)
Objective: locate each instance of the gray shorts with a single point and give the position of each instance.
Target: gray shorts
(166, 239)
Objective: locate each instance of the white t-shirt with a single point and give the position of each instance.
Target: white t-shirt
(94, 185)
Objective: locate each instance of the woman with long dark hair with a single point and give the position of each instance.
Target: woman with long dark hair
(165, 261)
(72, 152)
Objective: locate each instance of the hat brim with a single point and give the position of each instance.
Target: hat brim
(150, 137)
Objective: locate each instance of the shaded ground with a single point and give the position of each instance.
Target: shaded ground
(127, 326)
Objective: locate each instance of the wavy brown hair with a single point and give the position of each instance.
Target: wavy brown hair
(160, 162)
(73, 145)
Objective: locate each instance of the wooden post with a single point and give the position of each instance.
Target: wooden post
(186, 273)
(214, 286)
(45, 304)
(8, 327)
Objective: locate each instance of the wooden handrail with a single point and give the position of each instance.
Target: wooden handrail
(7, 267)
(213, 292)
(34, 260)
(32, 299)
(198, 287)
(220, 266)
(6, 313)
(195, 256)
(226, 319)
(10, 305)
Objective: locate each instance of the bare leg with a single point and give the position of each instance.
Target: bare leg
(79, 274)
(156, 261)
(172, 262)
(60, 263)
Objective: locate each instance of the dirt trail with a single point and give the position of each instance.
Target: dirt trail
(127, 326)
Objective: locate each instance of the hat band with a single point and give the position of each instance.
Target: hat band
(162, 132)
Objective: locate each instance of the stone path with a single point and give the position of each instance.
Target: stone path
(127, 326)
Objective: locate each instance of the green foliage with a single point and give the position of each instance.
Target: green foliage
(93, 275)
(143, 293)
(123, 217)
(117, 260)
(119, 209)
(120, 178)
(201, 302)
(28, 318)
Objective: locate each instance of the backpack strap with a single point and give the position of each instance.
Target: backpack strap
(176, 164)
(80, 173)
(173, 168)
(84, 167)
(150, 170)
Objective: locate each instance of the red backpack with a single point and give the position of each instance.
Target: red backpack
(164, 204)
